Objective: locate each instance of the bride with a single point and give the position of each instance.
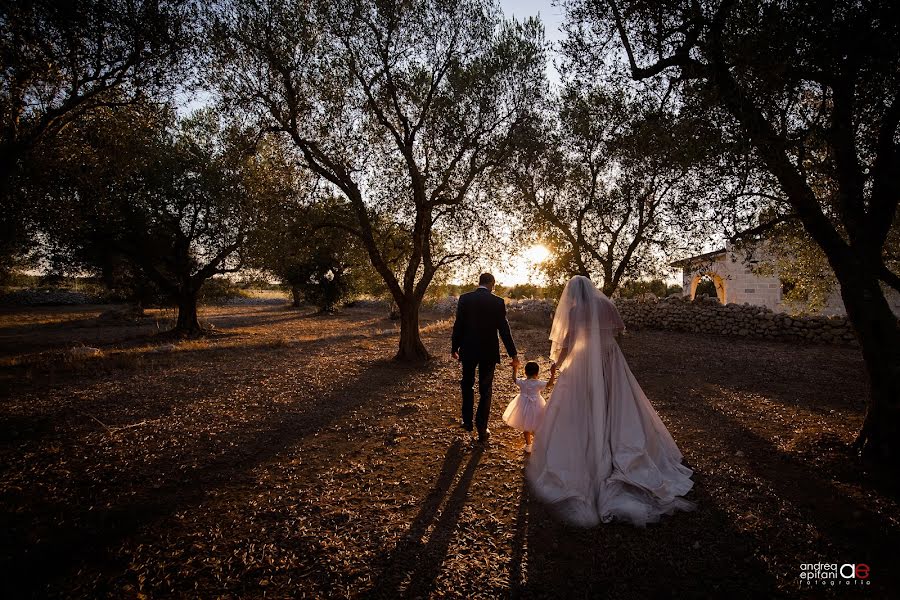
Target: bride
(602, 453)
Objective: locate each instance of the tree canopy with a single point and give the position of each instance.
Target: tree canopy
(63, 59)
(174, 198)
(611, 185)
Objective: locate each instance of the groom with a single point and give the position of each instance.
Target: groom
(480, 316)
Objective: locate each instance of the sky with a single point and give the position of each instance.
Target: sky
(551, 16)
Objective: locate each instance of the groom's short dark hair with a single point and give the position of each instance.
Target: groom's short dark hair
(486, 279)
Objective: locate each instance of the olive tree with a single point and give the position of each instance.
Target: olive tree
(401, 107)
(610, 185)
(174, 198)
(814, 91)
(297, 242)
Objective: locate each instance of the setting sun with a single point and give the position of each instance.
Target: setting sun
(523, 266)
(537, 254)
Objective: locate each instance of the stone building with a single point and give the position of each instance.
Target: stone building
(731, 269)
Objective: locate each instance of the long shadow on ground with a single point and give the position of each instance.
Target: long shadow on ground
(842, 523)
(410, 570)
(686, 555)
(88, 532)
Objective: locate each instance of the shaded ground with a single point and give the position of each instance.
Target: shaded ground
(288, 457)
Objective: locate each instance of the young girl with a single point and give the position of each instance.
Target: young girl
(527, 408)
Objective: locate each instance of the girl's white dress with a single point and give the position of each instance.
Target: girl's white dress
(526, 411)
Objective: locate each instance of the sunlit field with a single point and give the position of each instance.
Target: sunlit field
(287, 455)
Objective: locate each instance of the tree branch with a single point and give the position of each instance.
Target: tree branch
(889, 277)
(679, 58)
(763, 227)
(885, 181)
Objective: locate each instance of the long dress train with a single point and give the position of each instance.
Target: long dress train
(602, 453)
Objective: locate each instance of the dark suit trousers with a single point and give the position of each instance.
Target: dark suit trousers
(485, 383)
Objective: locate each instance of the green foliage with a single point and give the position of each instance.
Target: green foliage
(257, 280)
(516, 292)
(403, 109)
(706, 287)
(634, 289)
(322, 280)
(523, 290)
(806, 95)
(220, 289)
(126, 281)
(807, 278)
(608, 184)
(15, 278)
(436, 292)
(301, 240)
(62, 60)
(808, 281)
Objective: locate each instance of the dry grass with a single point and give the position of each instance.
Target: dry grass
(287, 456)
(437, 326)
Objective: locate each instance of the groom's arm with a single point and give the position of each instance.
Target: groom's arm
(505, 333)
(456, 338)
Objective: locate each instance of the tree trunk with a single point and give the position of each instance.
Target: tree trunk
(188, 324)
(298, 297)
(879, 337)
(411, 347)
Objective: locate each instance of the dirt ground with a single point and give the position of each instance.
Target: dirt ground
(288, 456)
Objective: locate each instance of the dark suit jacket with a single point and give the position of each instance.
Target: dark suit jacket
(480, 316)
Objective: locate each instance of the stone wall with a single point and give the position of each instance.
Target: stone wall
(703, 315)
(707, 315)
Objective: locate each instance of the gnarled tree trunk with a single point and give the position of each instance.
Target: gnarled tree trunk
(411, 346)
(188, 324)
(297, 296)
(879, 337)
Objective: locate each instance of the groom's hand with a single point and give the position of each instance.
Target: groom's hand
(455, 355)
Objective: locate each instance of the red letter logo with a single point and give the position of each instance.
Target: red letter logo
(862, 571)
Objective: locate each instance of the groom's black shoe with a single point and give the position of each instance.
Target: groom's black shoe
(484, 436)
(467, 426)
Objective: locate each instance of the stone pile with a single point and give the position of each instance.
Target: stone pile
(444, 306)
(527, 310)
(707, 315)
(703, 315)
(531, 310)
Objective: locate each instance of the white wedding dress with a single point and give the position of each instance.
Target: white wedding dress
(602, 453)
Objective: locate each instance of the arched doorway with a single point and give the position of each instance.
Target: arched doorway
(718, 282)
